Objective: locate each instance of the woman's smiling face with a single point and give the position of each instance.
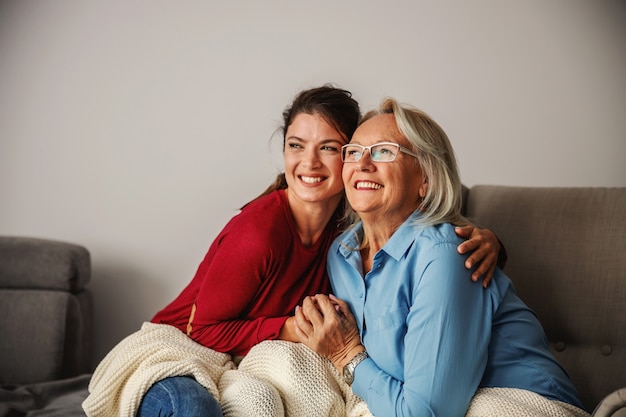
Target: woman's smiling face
(312, 157)
(390, 189)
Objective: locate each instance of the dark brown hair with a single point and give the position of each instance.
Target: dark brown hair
(334, 104)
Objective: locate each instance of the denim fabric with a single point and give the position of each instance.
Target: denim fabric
(179, 396)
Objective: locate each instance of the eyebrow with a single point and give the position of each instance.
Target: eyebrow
(377, 143)
(323, 141)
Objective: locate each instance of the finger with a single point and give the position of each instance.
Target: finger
(341, 306)
(481, 260)
(299, 327)
(488, 276)
(302, 337)
(337, 300)
(484, 266)
(325, 305)
(311, 311)
(477, 257)
(469, 245)
(464, 231)
(301, 322)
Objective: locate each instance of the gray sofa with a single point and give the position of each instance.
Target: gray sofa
(45, 327)
(566, 255)
(567, 258)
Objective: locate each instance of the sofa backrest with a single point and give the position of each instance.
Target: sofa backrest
(566, 257)
(45, 310)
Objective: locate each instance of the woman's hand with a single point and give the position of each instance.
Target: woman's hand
(485, 247)
(288, 332)
(326, 325)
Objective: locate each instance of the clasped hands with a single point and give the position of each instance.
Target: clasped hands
(326, 325)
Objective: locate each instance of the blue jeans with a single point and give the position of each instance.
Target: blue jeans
(179, 396)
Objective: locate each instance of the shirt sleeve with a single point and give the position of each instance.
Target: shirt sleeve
(445, 346)
(231, 284)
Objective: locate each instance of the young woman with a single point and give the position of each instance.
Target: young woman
(261, 265)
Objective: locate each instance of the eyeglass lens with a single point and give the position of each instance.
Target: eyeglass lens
(380, 152)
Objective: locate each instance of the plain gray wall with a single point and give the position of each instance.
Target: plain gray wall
(137, 128)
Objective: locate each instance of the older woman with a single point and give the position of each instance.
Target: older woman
(414, 336)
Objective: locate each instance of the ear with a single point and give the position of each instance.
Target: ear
(423, 188)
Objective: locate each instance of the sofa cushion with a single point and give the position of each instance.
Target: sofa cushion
(45, 335)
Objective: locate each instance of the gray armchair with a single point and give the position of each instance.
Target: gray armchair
(45, 310)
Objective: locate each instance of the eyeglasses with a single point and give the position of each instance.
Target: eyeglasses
(379, 152)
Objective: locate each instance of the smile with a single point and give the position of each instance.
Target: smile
(367, 185)
(311, 180)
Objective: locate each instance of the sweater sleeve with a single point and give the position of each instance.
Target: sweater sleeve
(234, 282)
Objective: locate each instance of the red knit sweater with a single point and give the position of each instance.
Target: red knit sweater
(255, 273)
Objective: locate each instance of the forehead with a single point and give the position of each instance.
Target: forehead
(379, 128)
(313, 126)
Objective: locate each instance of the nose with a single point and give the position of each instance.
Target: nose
(311, 159)
(365, 163)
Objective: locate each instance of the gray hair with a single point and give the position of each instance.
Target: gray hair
(443, 200)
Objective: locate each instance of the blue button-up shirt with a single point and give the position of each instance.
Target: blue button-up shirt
(432, 334)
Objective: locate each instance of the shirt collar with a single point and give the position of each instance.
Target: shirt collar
(396, 247)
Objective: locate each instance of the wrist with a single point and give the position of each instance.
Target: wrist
(287, 331)
(348, 356)
(349, 369)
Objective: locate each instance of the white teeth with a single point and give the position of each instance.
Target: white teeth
(311, 180)
(368, 185)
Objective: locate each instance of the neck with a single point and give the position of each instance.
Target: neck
(377, 230)
(377, 234)
(311, 218)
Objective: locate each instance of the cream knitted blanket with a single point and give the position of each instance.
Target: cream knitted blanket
(276, 378)
(154, 352)
(310, 386)
(512, 402)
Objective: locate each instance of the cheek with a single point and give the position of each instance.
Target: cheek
(335, 166)
(415, 186)
(346, 173)
(288, 161)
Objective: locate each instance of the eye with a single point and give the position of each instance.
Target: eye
(382, 150)
(330, 148)
(294, 145)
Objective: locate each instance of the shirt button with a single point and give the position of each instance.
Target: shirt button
(559, 346)
(606, 350)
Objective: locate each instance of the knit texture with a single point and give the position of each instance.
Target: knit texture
(278, 378)
(512, 402)
(153, 353)
(275, 379)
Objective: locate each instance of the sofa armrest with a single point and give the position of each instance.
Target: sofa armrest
(612, 404)
(32, 263)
